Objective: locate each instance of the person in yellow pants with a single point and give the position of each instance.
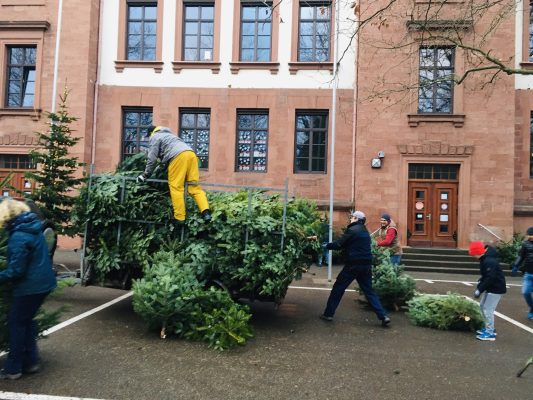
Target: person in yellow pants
(182, 165)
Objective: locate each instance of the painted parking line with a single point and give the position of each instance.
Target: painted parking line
(79, 317)
(502, 316)
(25, 396)
(467, 283)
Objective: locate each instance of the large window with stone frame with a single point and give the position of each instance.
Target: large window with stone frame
(194, 129)
(256, 32)
(311, 141)
(198, 31)
(314, 30)
(252, 141)
(135, 124)
(531, 145)
(141, 35)
(20, 82)
(435, 91)
(530, 31)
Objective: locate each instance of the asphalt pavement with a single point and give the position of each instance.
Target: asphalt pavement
(111, 355)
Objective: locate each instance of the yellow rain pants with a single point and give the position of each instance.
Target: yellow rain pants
(184, 168)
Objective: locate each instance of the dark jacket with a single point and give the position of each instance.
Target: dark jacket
(29, 266)
(356, 243)
(492, 279)
(525, 255)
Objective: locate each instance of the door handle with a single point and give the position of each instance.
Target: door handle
(428, 216)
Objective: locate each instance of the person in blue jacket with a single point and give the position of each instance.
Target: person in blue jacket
(29, 269)
(357, 245)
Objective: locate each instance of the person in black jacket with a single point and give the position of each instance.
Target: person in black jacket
(526, 256)
(357, 245)
(490, 287)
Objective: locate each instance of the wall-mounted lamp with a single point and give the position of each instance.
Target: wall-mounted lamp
(376, 162)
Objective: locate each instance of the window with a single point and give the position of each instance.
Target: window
(142, 31)
(311, 140)
(314, 31)
(135, 131)
(447, 172)
(256, 32)
(199, 23)
(252, 141)
(20, 76)
(194, 130)
(435, 92)
(16, 161)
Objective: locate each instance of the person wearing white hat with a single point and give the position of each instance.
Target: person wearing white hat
(357, 245)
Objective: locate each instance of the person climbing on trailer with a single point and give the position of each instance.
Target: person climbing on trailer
(182, 166)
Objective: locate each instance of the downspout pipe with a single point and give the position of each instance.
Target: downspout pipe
(97, 83)
(56, 56)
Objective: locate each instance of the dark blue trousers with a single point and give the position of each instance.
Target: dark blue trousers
(363, 275)
(23, 351)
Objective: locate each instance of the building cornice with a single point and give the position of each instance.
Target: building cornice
(25, 25)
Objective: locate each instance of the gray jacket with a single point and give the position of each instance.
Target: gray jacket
(165, 145)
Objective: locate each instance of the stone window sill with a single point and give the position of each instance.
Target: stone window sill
(294, 67)
(177, 66)
(458, 120)
(526, 65)
(236, 66)
(34, 113)
(121, 64)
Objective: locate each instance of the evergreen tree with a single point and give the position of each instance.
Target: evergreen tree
(56, 174)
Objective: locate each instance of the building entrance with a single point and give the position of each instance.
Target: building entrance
(432, 212)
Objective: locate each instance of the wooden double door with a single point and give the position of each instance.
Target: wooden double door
(432, 216)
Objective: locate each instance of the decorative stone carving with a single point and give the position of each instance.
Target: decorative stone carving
(435, 148)
(18, 139)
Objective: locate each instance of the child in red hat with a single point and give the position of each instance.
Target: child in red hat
(490, 287)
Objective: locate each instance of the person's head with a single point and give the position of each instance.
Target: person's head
(153, 129)
(385, 220)
(10, 208)
(357, 216)
(529, 233)
(476, 249)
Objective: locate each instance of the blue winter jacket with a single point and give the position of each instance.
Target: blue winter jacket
(29, 266)
(357, 244)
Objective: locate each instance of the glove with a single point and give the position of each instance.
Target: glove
(514, 270)
(141, 179)
(477, 293)
(325, 245)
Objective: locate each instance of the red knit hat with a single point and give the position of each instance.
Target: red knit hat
(476, 248)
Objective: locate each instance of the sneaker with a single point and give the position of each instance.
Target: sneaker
(485, 336)
(483, 330)
(530, 315)
(326, 318)
(385, 321)
(5, 375)
(206, 215)
(33, 369)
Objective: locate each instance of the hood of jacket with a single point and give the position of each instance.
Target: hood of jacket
(163, 129)
(491, 252)
(27, 222)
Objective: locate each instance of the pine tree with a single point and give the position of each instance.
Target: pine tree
(56, 174)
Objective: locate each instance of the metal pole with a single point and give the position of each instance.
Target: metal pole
(333, 126)
(285, 201)
(86, 230)
(56, 57)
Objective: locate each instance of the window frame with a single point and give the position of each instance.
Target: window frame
(143, 20)
(122, 62)
(24, 80)
(434, 84)
(132, 109)
(179, 63)
(315, 20)
(273, 65)
(22, 34)
(256, 21)
(294, 64)
(306, 112)
(253, 112)
(194, 146)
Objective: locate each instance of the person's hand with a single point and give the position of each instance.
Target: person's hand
(314, 237)
(141, 179)
(325, 245)
(477, 293)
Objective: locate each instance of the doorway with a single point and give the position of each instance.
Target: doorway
(432, 205)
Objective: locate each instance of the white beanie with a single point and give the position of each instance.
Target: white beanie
(359, 215)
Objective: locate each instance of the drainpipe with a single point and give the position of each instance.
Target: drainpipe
(333, 126)
(97, 83)
(355, 100)
(56, 57)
